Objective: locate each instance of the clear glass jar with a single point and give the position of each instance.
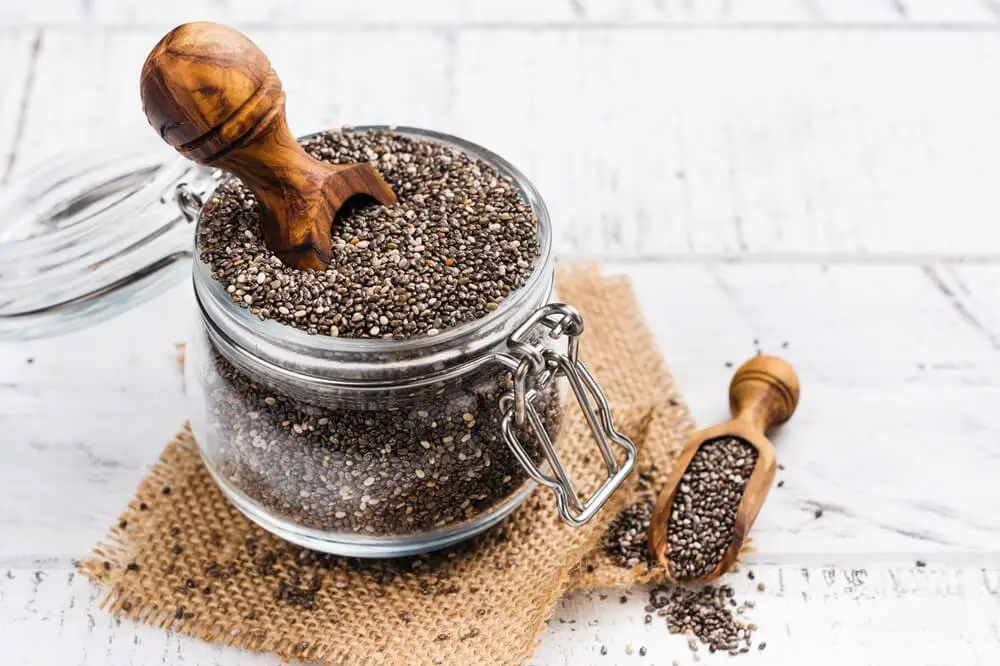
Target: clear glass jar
(365, 447)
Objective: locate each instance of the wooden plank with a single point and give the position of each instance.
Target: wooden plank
(16, 61)
(804, 143)
(86, 414)
(973, 292)
(808, 144)
(51, 615)
(891, 372)
(98, 71)
(512, 12)
(872, 615)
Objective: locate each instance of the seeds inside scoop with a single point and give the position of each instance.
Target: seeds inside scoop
(703, 516)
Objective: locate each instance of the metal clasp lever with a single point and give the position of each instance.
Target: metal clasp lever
(533, 369)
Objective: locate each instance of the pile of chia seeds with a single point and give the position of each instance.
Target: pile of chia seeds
(703, 516)
(369, 472)
(627, 538)
(459, 241)
(706, 613)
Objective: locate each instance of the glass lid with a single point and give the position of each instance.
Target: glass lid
(87, 235)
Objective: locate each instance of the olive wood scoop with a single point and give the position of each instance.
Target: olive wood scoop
(763, 393)
(211, 93)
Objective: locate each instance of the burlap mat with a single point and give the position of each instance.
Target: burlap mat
(183, 558)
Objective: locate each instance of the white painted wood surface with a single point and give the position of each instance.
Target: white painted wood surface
(808, 172)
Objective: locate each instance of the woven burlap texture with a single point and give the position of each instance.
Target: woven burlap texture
(183, 558)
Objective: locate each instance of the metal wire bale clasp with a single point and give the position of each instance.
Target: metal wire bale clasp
(188, 200)
(534, 367)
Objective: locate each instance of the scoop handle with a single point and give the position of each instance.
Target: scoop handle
(210, 93)
(764, 392)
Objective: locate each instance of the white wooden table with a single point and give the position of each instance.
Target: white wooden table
(819, 173)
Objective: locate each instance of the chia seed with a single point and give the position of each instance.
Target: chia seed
(626, 538)
(704, 613)
(460, 239)
(368, 471)
(703, 516)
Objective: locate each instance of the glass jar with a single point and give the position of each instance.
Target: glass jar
(351, 446)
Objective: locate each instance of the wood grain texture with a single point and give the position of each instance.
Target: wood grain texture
(18, 51)
(521, 13)
(933, 615)
(99, 69)
(808, 144)
(209, 92)
(814, 144)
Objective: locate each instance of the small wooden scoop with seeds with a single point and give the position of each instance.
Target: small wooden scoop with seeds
(211, 93)
(763, 393)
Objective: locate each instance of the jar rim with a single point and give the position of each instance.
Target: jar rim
(350, 355)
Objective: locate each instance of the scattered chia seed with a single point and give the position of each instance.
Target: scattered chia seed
(460, 239)
(781, 483)
(642, 651)
(703, 515)
(626, 538)
(703, 612)
(818, 513)
(920, 564)
(604, 650)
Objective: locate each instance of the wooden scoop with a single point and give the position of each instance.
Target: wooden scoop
(211, 93)
(763, 393)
